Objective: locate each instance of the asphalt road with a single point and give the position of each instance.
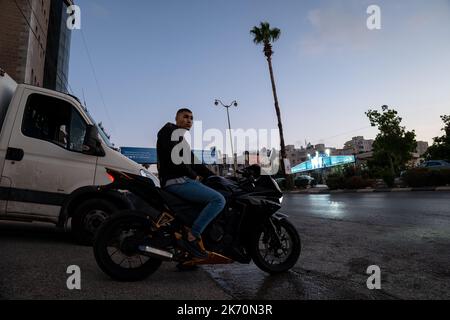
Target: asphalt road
(406, 234)
(34, 261)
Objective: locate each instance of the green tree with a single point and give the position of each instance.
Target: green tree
(440, 149)
(266, 36)
(393, 146)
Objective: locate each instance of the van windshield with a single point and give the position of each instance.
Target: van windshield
(100, 131)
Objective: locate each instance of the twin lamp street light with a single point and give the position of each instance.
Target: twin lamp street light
(235, 104)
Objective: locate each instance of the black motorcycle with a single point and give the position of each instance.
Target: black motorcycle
(132, 244)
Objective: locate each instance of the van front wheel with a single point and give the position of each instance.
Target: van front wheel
(88, 217)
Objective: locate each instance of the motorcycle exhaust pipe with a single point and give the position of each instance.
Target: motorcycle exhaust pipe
(157, 253)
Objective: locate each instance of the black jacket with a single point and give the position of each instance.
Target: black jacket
(166, 168)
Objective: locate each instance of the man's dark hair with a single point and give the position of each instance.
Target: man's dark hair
(183, 110)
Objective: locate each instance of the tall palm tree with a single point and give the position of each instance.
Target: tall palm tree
(265, 35)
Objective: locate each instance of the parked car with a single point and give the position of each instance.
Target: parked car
(304, 181)
(435, 164)
(300, 181)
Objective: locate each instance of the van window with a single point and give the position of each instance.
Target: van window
(54, 120)
(77, 131)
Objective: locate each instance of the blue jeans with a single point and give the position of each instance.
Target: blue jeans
(196, 192)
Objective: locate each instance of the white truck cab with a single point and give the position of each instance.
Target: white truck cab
(52, 158)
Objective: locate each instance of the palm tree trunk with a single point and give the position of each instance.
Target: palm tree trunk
(280, 125)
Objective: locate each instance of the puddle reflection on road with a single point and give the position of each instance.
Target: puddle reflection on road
(248, 282)
(323, 206)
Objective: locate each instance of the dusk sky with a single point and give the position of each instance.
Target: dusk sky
(153, 57)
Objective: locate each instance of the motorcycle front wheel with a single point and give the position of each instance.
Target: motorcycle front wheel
(116, 247)
(275, 246)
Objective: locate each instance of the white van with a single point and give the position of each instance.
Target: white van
(52, 157)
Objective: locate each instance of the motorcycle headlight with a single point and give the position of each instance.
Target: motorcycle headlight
(147, 174)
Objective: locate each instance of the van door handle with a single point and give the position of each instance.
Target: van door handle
(14, 154)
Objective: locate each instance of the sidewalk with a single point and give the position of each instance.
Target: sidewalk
(324, 190)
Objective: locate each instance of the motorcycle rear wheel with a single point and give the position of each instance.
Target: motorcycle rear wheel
(116, 247)
(276, 246)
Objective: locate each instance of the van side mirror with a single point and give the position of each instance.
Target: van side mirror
(92, 145)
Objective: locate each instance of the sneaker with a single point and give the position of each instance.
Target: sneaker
(194, 248)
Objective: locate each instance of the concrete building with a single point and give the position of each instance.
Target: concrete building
(30, 32)
(297, 156)
(343, 152)
(422, 147)
(359, 145)
(417, 158)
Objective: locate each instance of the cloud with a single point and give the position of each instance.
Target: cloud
(431, 16)
(99, 10)
(339, 26)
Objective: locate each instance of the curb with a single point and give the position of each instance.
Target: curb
(327, 191)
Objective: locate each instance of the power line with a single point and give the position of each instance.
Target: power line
(340, 134)
(68, 88)
(96, 81)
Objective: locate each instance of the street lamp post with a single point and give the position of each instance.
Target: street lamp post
(234, 103)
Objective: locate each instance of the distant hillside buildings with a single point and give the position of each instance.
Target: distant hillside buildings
(358, 146)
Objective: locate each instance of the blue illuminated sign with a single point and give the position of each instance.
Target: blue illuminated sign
(319, 162)
(148, 155)
(140, 155)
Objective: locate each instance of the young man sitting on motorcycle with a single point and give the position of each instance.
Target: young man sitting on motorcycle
(182, 178)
